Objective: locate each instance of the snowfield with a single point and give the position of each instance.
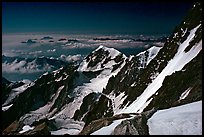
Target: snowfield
(181, 120)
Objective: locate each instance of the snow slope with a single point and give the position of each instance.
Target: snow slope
(180, 59)
(181, 120)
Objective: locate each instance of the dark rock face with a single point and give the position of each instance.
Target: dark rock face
(125, 128)
(97, 124)
(85, 107)
(11, 129)
(41, 129)
(99, 109)
(99, 54)
(5, 89)
(133, 124)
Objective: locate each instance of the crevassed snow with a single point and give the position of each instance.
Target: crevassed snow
(7, 107)
(26, 128)
(180, 59)
(181, 120)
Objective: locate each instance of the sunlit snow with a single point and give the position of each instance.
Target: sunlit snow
(181, 120)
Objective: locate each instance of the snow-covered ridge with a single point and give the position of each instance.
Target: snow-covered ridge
(113, 53)
(152, 52)
(144, 57)
(180, 59)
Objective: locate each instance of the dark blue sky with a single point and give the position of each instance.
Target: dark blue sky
(93, 18)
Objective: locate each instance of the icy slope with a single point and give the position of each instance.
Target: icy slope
(181, 120)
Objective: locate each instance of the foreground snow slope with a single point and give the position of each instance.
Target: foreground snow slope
(181, 120)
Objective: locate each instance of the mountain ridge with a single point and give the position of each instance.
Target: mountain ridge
(109, 93)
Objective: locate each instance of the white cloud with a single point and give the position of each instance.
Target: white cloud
(71, 58)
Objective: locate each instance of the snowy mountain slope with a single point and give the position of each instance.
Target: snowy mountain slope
(181, 120)
(176, 64)
(95, 85)
(167, 77)
(62, 94)
(181, 87)
(104, 106)
(109, 93)
(178, 51)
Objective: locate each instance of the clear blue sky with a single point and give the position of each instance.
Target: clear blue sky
(100, 18)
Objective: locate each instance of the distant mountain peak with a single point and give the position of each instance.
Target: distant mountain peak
(102, 58)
